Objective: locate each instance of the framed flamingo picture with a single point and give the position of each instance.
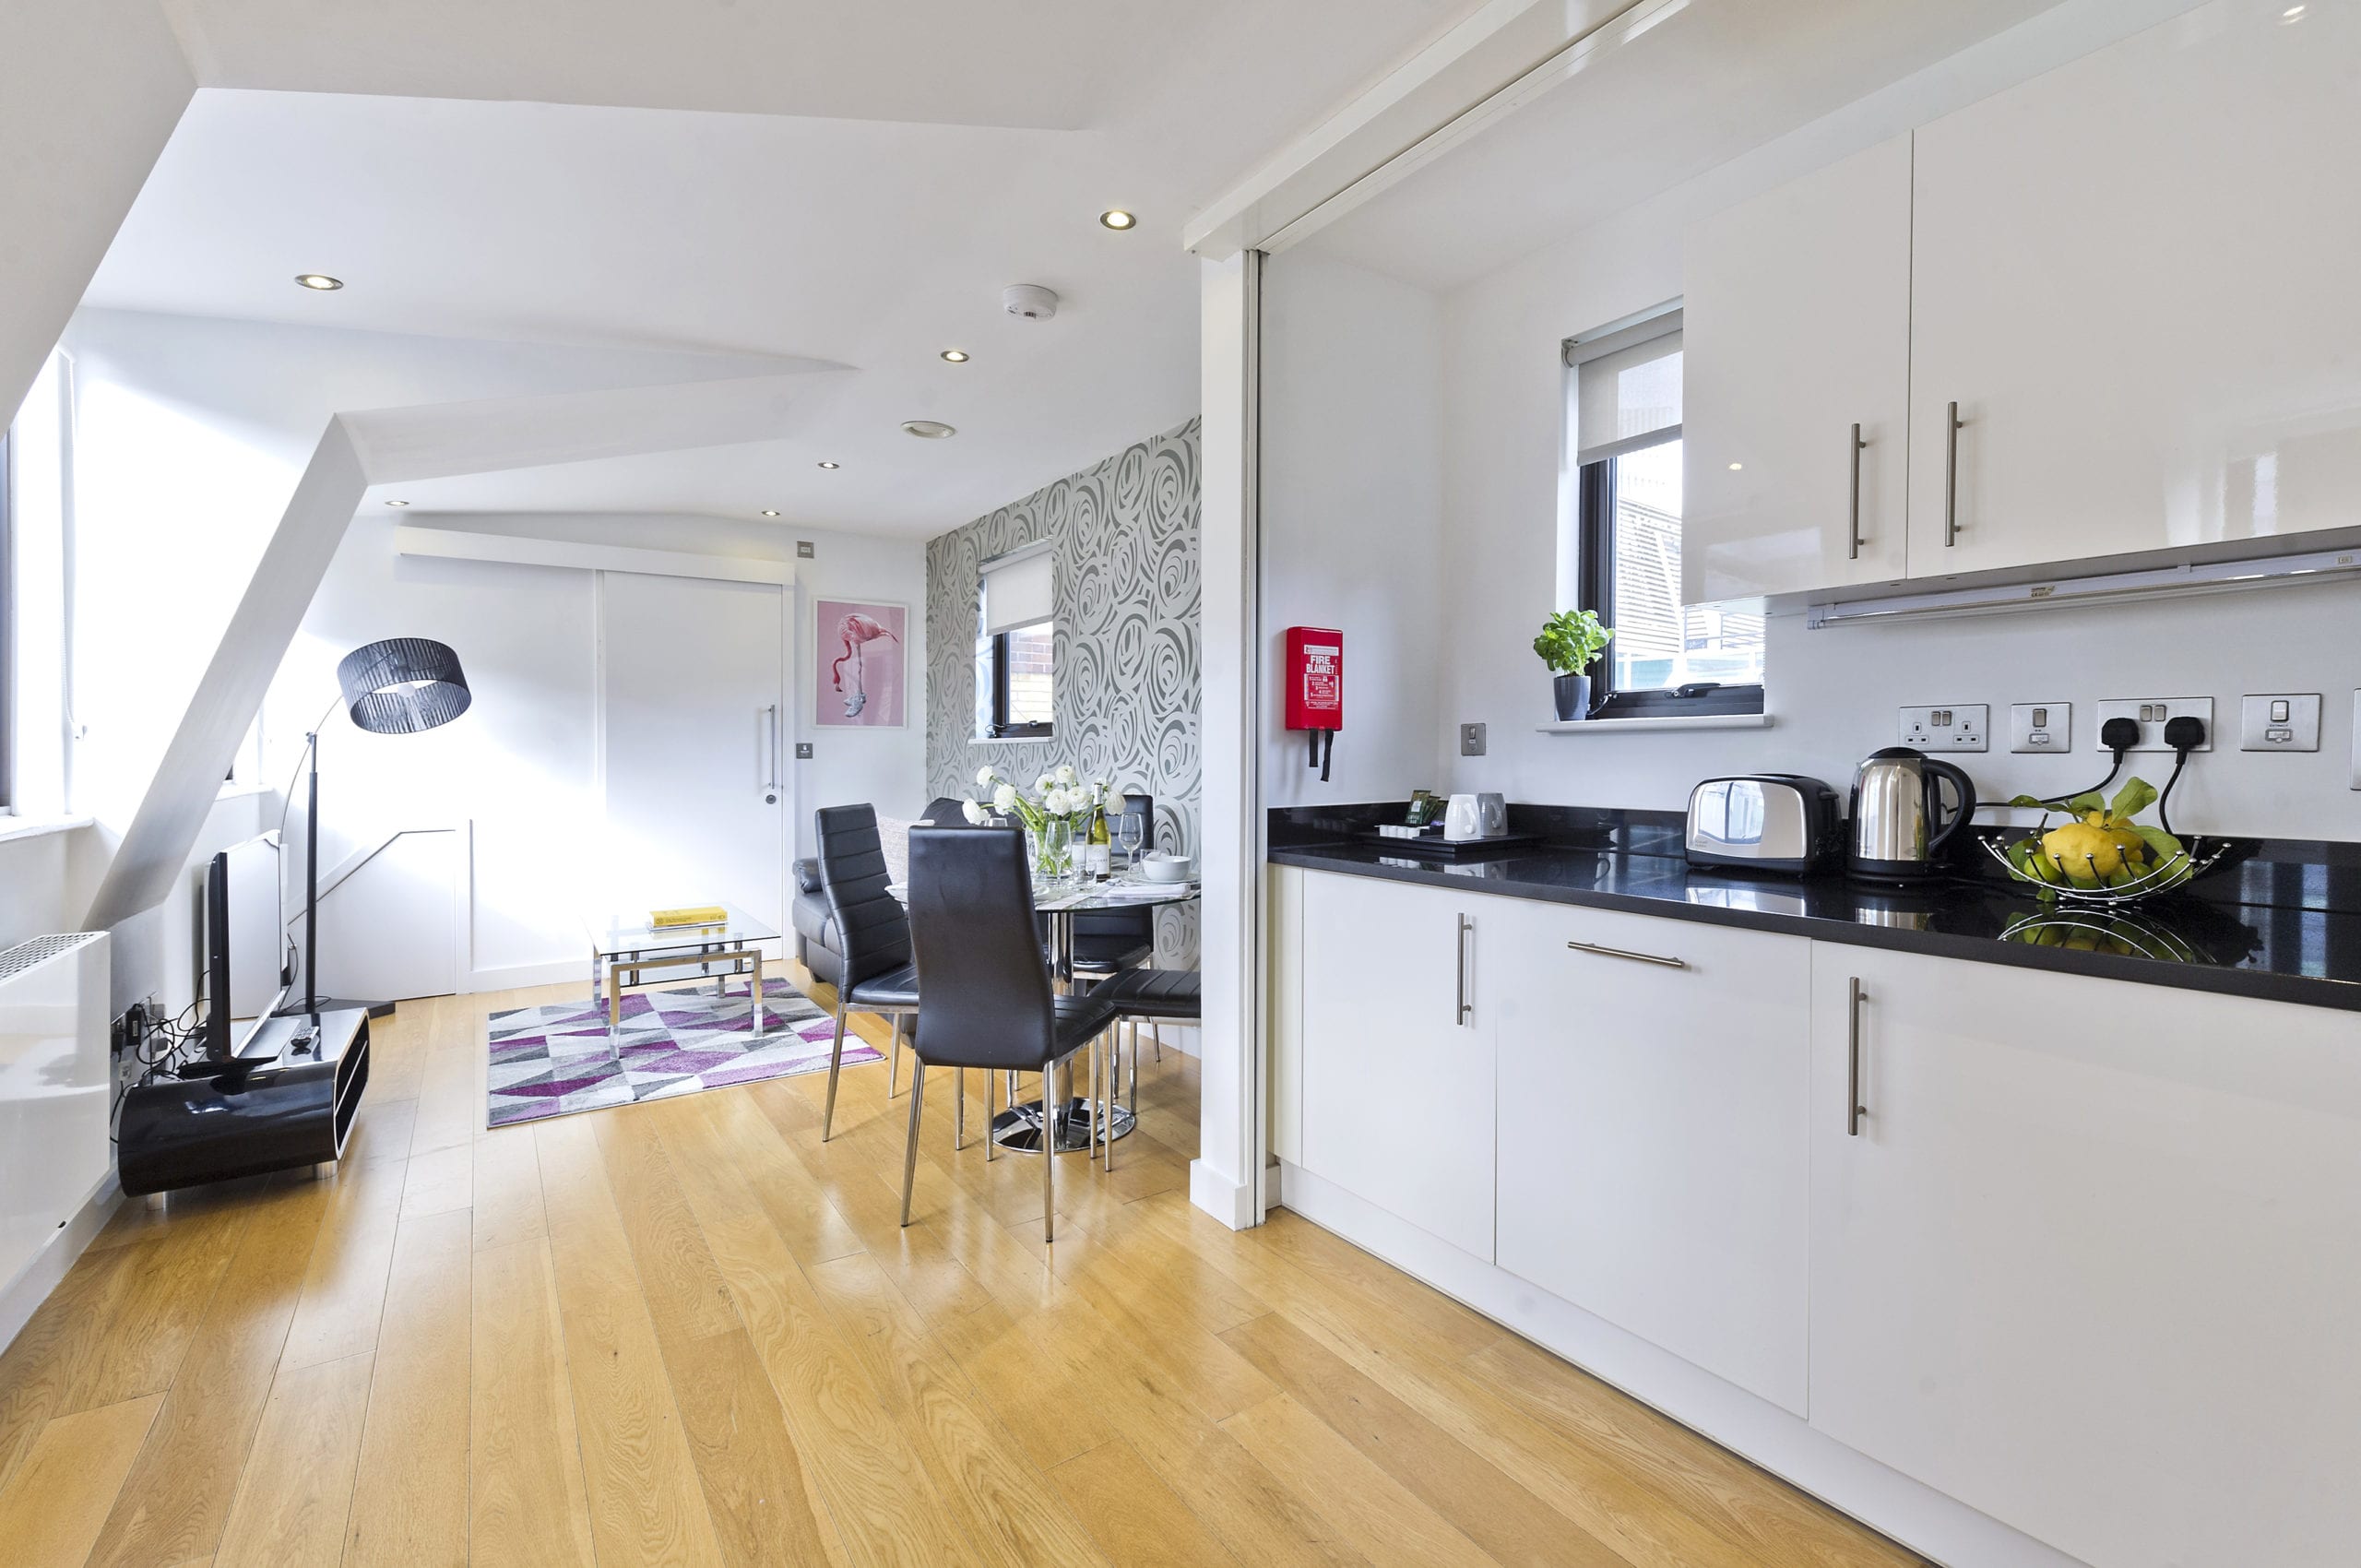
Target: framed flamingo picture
(863, 664)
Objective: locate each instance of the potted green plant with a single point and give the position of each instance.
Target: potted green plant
(1570, 643)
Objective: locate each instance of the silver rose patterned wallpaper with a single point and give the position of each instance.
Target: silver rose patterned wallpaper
(1127, 654)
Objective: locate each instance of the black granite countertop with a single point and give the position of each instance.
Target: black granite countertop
(2285, 925)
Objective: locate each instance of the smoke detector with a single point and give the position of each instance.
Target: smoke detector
(1030, 301)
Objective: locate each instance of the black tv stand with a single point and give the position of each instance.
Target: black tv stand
(286, 1101)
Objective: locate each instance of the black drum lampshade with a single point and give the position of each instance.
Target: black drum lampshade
(403, 685)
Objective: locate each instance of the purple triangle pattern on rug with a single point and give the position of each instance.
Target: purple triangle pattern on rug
(557, 1059)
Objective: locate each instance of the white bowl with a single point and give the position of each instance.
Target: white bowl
(1165, 868)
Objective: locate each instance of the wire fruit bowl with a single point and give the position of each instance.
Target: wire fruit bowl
(2168, 871)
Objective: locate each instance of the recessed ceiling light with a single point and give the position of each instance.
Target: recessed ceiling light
(2292, 14)
(767, 511)
(956, 356)
(319, 280)
(826, 464)
(928, 430)
(1116, 217)
(397, 503)
(1734, 467)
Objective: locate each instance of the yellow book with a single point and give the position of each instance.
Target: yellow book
(703, 914)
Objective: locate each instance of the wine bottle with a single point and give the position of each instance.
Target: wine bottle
(1102, 860)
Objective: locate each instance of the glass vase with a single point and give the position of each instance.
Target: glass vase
(1052, 850)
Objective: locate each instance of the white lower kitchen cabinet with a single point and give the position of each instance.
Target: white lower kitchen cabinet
(2087, 1258)
(1397, 1097)
(1653, 1082)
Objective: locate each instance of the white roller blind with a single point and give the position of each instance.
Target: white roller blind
(1627, 397)
(1017, 590)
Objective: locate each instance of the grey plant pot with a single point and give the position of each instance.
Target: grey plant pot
(1573, 697)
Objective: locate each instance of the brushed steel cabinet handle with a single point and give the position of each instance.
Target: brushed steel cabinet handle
(1950, 475)
(1854, 1109)
(1466, 1006)
(1627, 952)
(1853, 529)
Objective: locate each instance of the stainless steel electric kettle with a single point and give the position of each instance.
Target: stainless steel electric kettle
(1899, 821)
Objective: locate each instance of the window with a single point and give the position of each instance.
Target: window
(1018, 645)
(1623, 544)
(1023, 663)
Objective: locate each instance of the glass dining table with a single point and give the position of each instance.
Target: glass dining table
(1058, 902)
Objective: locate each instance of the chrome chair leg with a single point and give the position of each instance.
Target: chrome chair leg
(1155, 1033)
(894, 1063)
(835, 1065)
(1106, 1111)
(910, 1149)
(1048, 1154)
(1136, 1066)
(958, 1108)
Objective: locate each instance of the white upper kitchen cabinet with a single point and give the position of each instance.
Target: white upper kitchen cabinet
(1653, 1147)
(2134, 276)
(1797, 396)
(1397, 1029)
(2090, 1261)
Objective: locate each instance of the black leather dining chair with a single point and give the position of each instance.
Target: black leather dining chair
(1172, 995)
(985, 998)
(875, 972)
(1108, 942)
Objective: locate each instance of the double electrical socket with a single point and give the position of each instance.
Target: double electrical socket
(1960, 726)
(2151, 714)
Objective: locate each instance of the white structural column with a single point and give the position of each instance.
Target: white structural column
(1225, 1178)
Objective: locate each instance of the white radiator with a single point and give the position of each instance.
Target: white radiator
(54, 1095)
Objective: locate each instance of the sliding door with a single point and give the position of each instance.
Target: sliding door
(694, 726)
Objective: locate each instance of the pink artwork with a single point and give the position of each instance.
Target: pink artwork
(863, 663)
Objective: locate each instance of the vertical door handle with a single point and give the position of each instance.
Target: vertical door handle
(767, 763)
(1852, 528)
(1950, 475)
(1466, 1006)
(1854, 1109)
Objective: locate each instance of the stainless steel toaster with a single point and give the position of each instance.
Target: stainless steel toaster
(1764, 821)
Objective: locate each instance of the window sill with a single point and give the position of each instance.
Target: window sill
(1012, 740)
(13, 827)
(1656, 726)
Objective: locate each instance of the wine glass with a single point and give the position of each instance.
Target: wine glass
(1130, 829)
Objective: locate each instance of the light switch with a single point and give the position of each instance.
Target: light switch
(1471, 740)
(2280, 723)
(2041, 726)
(803, 751)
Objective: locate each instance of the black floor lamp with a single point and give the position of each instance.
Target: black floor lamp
(398, 686)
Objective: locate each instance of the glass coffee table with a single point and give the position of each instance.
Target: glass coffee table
(627, 946)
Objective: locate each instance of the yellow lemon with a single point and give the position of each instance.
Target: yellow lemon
(2084, 849)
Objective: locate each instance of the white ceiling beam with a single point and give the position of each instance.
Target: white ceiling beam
(528, 549)
(1506, 47)
(89, 92)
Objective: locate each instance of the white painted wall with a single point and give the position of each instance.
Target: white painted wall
(522, 765)
(1354, 534)
(1467, 589)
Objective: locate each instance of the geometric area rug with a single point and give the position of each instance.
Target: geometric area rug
(557, 1059)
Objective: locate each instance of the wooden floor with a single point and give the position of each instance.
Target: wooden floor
(687, 1331)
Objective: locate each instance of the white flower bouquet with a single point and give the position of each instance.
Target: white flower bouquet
(1061, 803)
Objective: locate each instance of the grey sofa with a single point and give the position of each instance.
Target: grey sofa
(816, 947)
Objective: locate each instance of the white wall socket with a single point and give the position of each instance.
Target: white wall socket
(2041, 726)
(1960, 726)
(2149, 714)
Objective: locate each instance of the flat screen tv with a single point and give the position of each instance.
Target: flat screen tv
(224, 1038)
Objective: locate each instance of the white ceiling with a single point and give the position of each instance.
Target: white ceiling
(851, 184)
(1711, 80)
